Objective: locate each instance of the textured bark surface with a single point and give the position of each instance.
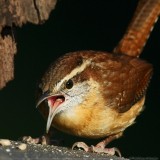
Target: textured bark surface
(7, 51)
(48, 152)
(18, 12)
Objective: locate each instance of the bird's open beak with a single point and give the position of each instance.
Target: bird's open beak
(54, 102)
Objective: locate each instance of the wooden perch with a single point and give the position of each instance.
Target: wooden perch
(18, 12)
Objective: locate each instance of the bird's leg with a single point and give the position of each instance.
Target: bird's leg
(100, 147)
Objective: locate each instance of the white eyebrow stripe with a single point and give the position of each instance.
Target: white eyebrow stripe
(73, 73)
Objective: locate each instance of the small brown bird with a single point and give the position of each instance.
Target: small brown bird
(94, 94)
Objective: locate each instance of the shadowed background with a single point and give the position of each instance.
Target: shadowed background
(78, 25)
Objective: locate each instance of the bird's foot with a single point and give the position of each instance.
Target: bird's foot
(97, 149)
(44, 140)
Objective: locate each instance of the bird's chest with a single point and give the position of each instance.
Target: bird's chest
(96, 122)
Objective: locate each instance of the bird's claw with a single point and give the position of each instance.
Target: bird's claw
(81, 145)
(96, 149)
(40, 140)
(109, 151)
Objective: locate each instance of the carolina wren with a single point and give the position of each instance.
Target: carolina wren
(94, 94)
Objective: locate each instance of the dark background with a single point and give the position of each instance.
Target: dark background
(78, 25)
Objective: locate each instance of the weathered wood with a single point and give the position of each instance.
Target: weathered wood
(37, 151)
(7, 51)
(18, 12)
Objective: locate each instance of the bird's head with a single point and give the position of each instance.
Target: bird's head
(64, 85)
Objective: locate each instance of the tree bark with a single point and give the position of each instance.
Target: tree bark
(18, 12)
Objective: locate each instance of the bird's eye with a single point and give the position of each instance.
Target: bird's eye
(69, 84)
